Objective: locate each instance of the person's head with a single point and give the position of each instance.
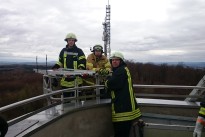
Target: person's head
(116, 59)
(70, 39)
(98, 50)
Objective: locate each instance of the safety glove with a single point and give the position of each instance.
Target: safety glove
(106, 72)
(199, 126)
(103, 72)
(138, 127)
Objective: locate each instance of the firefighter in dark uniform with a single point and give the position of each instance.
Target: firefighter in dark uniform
(70, 57)
(200, 122)
(125, 109)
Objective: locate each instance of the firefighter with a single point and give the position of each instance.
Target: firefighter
(97, 61)
(70, 57)
(125, 109)
(200, 122)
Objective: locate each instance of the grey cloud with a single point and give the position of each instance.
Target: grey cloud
(5, 54)
(40, 27)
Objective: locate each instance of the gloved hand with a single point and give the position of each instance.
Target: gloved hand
(199, 126)
(141, 123)
(103, 72)
(138, 127)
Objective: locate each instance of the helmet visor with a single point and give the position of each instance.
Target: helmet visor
(98, 48)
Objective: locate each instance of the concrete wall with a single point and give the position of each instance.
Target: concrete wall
(95, 121)
(88, 122)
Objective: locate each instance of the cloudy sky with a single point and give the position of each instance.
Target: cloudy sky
(144, 30)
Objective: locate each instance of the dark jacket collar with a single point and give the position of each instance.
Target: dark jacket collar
(122, 63)
(74, 46)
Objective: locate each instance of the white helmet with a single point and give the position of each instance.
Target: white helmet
(117, 55)
(70, 36)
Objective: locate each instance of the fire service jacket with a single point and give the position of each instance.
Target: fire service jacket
(94, 63)
(124, 104)
(71, 58)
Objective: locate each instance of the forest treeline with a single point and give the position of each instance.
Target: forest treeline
(18, 82)
(163, 74)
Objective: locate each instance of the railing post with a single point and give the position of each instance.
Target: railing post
(76, 91)
(97, 88)
(62, 102)
(47, 86)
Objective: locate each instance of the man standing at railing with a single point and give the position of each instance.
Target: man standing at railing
(99, 63)
(124, 105)
(70, 57)
(200, 122)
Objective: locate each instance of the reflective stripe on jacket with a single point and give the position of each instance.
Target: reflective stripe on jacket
(94, 63)
(202, 108)
(124, 104)
(72, 58)
(69, 82)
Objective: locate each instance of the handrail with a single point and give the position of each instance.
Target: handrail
(167, 95)
(168, 86)
(168, 126)
(20, 103)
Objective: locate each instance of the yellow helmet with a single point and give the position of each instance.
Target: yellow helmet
(70, 36)
(117, 55)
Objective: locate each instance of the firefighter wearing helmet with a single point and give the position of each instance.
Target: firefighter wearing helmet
(70, 57)
(71, 36)
(97, 61)
(118, 55)
(124, 105)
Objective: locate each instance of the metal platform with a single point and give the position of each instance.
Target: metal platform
(65, 72)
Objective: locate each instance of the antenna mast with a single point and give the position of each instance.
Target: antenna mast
(37, 64)
(46, 65)
(106, 32)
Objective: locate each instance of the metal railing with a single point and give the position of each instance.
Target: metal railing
(50, 94)
(47, 95)
(44, 96)
(168, 87)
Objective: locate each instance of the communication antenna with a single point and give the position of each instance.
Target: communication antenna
(37, 64)
(46, 65)
(106, 32)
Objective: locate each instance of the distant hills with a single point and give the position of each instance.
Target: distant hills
(28, 63)
(200, 65)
